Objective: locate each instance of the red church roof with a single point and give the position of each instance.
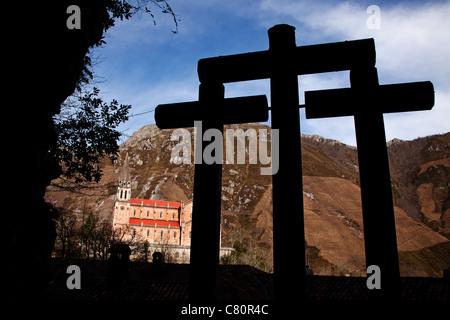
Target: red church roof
(155, 202)
(151, 222)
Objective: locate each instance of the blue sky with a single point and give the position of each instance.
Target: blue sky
(145, 65)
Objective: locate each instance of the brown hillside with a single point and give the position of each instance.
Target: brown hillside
(420, 170)
(333, 218)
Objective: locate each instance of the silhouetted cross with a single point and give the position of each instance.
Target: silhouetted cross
(282, 63)
(366, 100)
(214, 111)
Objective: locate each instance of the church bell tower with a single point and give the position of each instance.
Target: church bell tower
(124, 189)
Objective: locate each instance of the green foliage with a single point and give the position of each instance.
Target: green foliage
(90, 238)
(86, 129)
(127, 9)
(86, 132)
(251, 254)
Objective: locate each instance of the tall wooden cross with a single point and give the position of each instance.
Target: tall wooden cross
(214, 111)
(366, 100)
(282, 64)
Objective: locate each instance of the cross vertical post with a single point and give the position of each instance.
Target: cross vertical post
(380, 238)
(205, 244)
(289, 265)
(366, 100)
(208, 115)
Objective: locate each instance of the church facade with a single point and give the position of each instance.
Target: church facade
(165, 225)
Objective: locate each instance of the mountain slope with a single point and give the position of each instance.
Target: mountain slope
(420, 170)
(333, 217)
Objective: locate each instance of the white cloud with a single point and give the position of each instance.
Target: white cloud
(413, 44)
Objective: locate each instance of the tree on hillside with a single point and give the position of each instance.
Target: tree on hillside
(66, 233)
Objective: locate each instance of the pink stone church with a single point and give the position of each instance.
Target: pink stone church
(165, 225)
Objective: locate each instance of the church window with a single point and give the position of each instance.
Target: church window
(161, 234)
(174, 235)
(173, 215)
(134, 213)
(160, 214)
(148, 232)
(121, 194)
(147, 213)
(125, 194)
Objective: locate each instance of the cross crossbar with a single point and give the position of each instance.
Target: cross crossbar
(214, 111)
(231, 111)
(415, 96)
(338, 56)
